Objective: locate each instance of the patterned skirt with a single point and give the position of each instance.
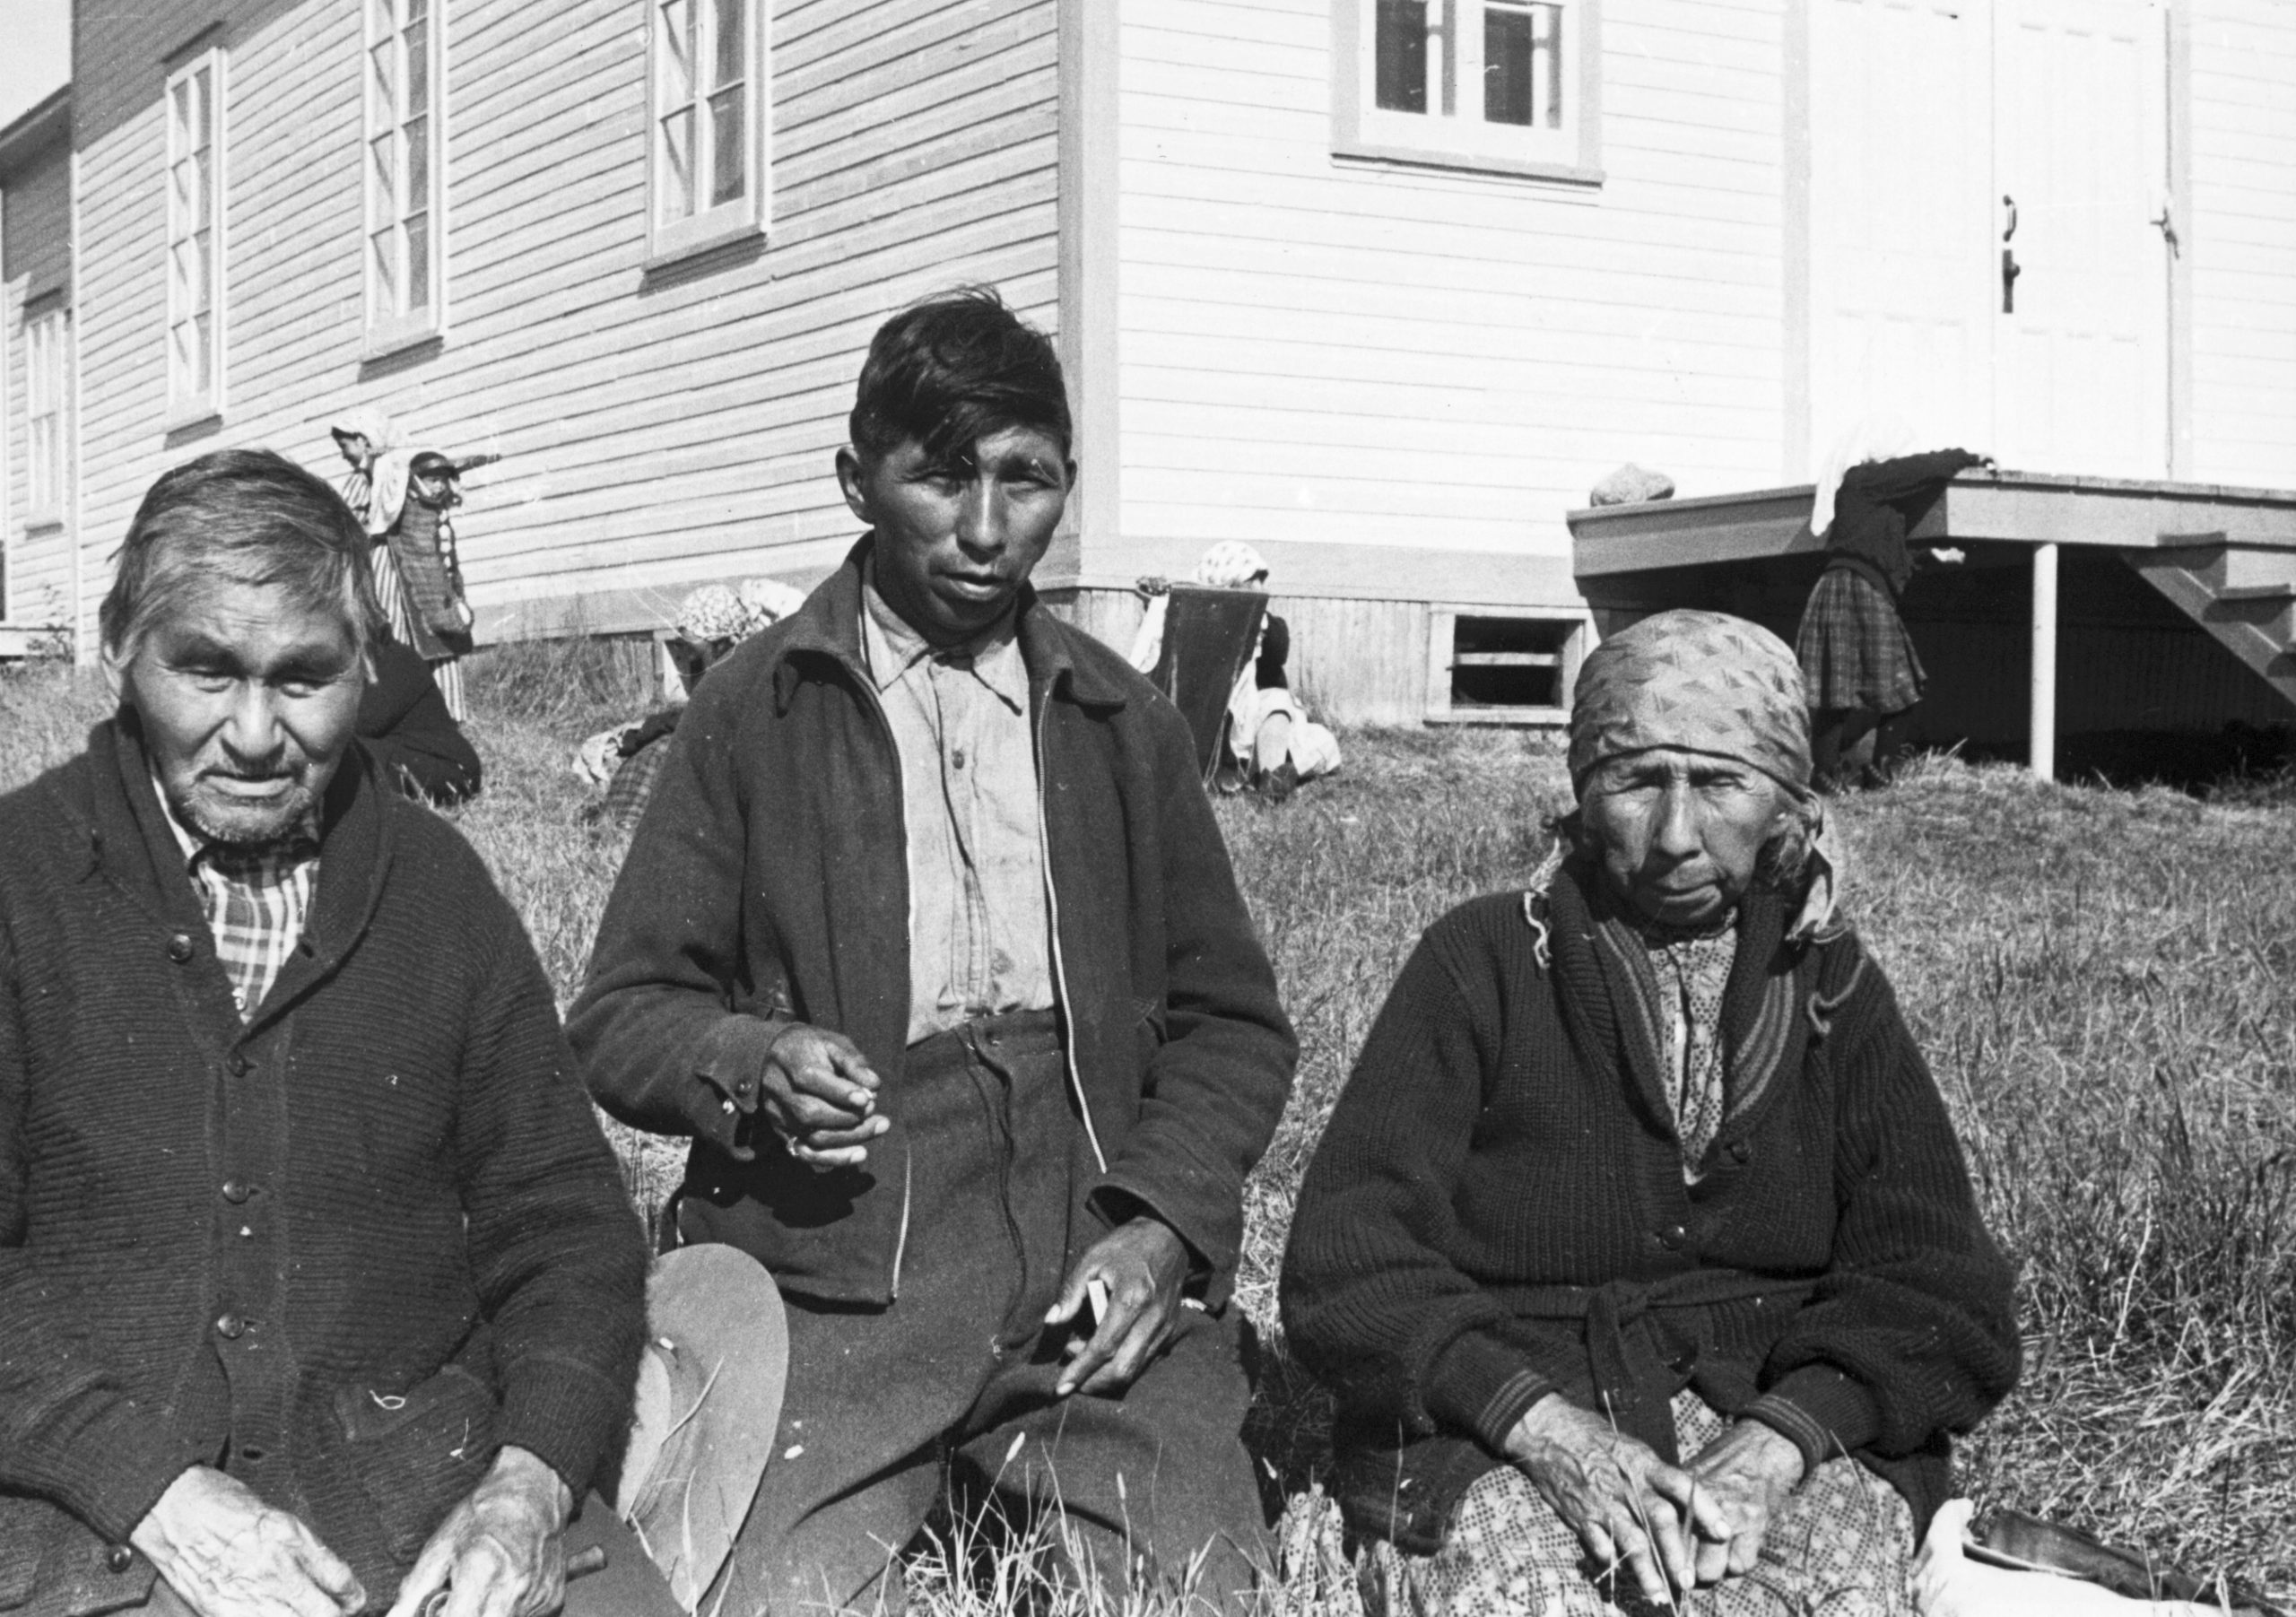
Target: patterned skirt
(1853, 646)
(1842, 1547)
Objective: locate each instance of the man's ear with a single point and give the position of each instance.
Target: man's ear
(849, 473)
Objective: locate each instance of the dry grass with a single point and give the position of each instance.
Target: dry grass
(2105, 983)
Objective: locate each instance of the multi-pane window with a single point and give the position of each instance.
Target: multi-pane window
(405, 162)
(195, 113)
(709, 128)
(1469, 80)
(44, 414)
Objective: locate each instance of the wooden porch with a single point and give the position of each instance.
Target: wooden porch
(2065, 548)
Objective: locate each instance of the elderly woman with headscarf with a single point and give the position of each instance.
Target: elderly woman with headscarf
(1639, 1250)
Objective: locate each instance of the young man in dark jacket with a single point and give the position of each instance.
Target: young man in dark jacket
(318, 1285)
(929, 941)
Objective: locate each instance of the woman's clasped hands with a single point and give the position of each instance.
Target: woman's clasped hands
(1671, 1527)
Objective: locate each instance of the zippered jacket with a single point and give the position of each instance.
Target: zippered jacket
(345, 1250)
(768, 883)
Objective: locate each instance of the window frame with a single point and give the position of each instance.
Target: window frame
(46, 329)
(188, 406)
(747, 216)
(1363, 132)
(389, 331)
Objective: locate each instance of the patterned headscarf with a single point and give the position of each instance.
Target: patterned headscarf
(1704, 681)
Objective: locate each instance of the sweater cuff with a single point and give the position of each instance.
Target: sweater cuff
(1821, 1411)
(1480, 1385)
(120, 1464)
(729, 1068)
(566, 1415)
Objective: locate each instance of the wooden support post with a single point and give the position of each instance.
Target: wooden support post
(2044, 688)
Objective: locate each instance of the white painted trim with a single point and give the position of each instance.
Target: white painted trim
(2185, 218)
(83, 650)
(1795, 452)
(1091, 312)
(1364, 134)
(668, 241)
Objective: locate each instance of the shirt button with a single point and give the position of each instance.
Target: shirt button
(179, 949)
(231, 1328)
(957, 759)
(1673, 1238)
(119, 1558)
(235, 1191)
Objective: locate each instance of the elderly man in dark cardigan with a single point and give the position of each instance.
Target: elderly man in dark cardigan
(318, 1286)
(929, 942)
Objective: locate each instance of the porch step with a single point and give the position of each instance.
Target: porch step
(2243, 595)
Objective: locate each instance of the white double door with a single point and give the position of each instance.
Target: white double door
(1990, 238)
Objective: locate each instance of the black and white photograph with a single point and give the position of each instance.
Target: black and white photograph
(1148, 808)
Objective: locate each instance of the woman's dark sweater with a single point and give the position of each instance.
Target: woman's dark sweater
(1877, 503)
(1506, 1135)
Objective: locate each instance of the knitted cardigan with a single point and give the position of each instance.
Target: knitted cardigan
(343, 1250)
(1498, 1211)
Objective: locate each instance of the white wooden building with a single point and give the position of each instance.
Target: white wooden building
(1379, 286)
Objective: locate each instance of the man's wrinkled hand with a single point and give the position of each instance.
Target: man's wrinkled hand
(498, 1553)
(1625, 1503)
(226, 1553)
(1741, 1481)
(1141, 1263)
(819, 1094)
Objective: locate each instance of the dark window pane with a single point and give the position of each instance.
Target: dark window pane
(418, 260)
(418, 166)
(1400, 56)
(1522, 66)
(728, 170)
(1506, 67)
(418, 71)
(729, 43)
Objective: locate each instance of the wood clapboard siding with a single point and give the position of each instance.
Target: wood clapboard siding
(2243, 247)
(35, 269)
(1352, 355)
(659, 424)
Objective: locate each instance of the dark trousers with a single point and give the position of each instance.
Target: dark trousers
(959, 1370)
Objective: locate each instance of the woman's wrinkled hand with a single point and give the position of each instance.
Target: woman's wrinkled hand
(500, 1552)
(1743, 1480)
(1628, 1507)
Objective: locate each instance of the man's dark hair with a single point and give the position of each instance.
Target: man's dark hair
(949, 371)
(242, 517)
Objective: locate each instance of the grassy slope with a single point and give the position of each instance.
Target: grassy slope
(2105, 983)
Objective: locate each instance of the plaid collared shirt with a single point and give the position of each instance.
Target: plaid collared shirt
(256, 901)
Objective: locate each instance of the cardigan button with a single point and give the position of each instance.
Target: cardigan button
(231, 1328)
(179, 949)
(1740, 1150)
(1673, 1238)
(119, 1558)
(235, 1191)
(237, 1063)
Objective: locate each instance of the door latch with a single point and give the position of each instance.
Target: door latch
(2009, 268)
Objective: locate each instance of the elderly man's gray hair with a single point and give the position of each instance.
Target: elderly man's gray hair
(243, 517)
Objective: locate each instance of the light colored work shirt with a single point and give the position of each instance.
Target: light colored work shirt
(979, 930)
(256, 901)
